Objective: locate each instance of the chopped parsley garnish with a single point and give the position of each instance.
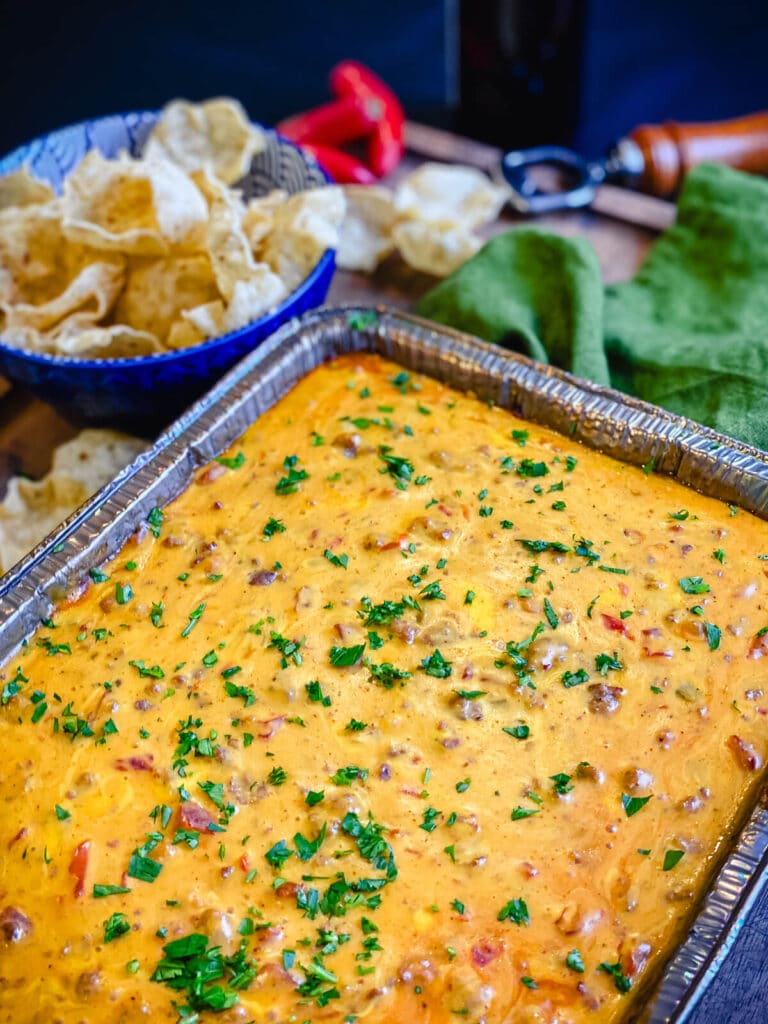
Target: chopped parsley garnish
(305, 848)
(604, 663)
(123, 593)
(155, 520)
(232, 462)
(289, 649)
(436, 665)
(515, 911)
(344, 657)
(527, 467)
(273, 526)
(316, 695)
(432, 592)
(359, 320)
(194, 618)
(371, 843)
(100, 891)
(156, 615)
(429, 819)
(189, 966)
(561, 783)
(550, 614)
(543, 545)
(574, 961)
(382, 614)
(713, 635)
(278, 854)
(98, 576)
(672, 858)
(115, 926)
(693, 585)
(346, 776)
(341, 560)
(155, 672)
(620, 980)
(142, 867)
(519, 732)
(400, 469)
(277, 776)
(633, 804)
(521, 812)
(387, 675)
(47, 644)
(289, 484)
(570, 679)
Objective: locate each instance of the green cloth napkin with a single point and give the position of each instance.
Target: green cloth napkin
(689, 332)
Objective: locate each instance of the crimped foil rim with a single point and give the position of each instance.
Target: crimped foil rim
(623, 427)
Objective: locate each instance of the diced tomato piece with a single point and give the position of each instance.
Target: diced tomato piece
(78, 866)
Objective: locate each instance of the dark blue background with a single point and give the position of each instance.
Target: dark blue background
(582, 71)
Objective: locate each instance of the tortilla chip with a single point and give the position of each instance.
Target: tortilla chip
(365, 238)
(31, 509)
(35, 256)
(448, 194)
(20, 188)
(228, 248)
(215, 136)
(304, 227)
(140, 207)
(254, 297)
(259, 217)
(183, 334)
(27, 338)
(433, 248)
(157, 290)
(91, 294)
(76, 339)
(209, 319)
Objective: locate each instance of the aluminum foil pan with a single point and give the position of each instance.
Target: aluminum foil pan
(623, 427)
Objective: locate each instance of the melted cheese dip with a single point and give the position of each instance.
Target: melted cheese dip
(406, 710)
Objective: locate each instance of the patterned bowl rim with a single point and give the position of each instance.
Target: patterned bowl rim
(325, 263)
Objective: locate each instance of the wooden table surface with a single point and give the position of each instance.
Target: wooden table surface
(621, 226)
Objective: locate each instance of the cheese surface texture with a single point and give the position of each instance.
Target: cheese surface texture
(406, 710)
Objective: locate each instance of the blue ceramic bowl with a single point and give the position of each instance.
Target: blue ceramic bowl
(144, 393)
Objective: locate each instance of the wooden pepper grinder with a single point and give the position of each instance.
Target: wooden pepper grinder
(657, 157)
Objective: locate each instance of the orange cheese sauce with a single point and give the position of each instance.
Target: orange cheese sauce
(411, 711)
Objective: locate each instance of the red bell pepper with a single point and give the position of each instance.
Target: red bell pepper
(332, 123)
(343, 168)
(365, 107)
(385, 145)
(79, 865)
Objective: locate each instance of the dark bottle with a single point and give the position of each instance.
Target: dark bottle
(520, 70)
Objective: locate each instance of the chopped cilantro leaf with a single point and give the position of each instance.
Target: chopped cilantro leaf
(344, 657)
(516, 911)
(633, 804)
(693, 585)
(436, 665)
(115, 926)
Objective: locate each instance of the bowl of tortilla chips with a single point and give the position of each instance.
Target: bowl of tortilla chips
(142, 254)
